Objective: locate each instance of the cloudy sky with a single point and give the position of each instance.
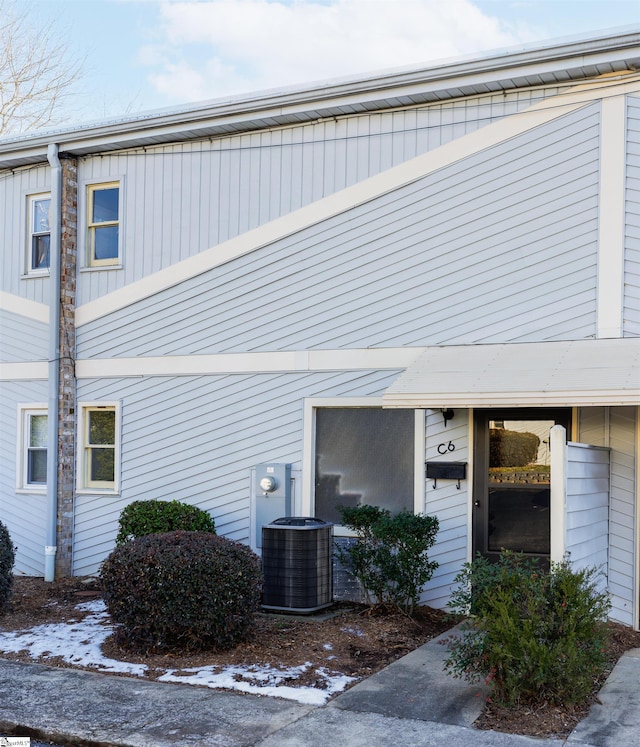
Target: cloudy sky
(151, 54)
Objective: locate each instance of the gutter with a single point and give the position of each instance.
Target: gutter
(54, 362)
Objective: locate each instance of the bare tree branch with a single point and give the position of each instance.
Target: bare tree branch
(36, 71)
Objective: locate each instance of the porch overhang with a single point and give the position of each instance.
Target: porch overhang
(539, 374)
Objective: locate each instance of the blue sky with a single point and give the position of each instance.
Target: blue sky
(150, 54)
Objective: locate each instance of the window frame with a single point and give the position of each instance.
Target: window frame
(84, 484)
(32, 199)
(25, 413)
(90, 232)
(307, 505)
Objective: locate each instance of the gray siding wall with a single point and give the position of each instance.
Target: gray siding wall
(195, 439)
(632, 216)
(500, 247)
(22, 339)
(449, 504)
(181, 199)
(23, 514)
(14, 189)
(587, 506)
(616, 428)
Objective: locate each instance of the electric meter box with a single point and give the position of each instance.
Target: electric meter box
(271, 493)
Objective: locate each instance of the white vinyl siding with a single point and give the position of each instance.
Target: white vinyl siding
(631, 321)
(480, 251)
(22, 339)
(15, 189)
(207, 433)
(184, 198)
(24, 512)
(616, 428)
(587, 506)
(450, 504)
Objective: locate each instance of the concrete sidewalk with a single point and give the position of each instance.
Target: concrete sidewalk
(411, 703)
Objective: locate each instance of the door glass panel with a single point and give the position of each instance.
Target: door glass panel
(519, 486)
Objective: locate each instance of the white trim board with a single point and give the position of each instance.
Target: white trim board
(39, 312)
(230, 363)
(29, 371)
(358, 194)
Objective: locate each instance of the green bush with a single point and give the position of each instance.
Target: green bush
(535, 635)
(155, 517)
(7, 557)
(390, 559)
(181, 591)
(512, 449)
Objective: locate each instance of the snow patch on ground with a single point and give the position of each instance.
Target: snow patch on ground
(79, 644)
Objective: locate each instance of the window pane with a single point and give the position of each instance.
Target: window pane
(40, 251)
(102, 465)
(102, 427)
(41, 215)
(105, 205)
(37, 466)
(106, 242)
(38, 430)
(363, 456)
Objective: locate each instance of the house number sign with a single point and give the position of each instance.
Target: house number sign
(444, 448)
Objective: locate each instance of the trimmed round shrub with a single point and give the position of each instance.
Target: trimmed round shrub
(156, 517)
(7, 558)
(181, 591)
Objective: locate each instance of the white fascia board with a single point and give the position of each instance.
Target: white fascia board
(243, 363)
(27, 371)
(498, 68)
(351, 197)
(539, 398)
(39, 312)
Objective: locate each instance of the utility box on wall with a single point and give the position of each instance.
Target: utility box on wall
(271, 493)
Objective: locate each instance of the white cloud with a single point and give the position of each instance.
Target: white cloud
(223, 47)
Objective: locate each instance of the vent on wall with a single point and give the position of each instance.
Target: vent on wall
(297, 564)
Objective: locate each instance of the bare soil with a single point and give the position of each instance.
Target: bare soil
(352, 640)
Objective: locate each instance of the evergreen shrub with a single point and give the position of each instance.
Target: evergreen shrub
(7, 558)
(534, 635)
(390, 559)
(156, 517)
(512, 449)
(181, 591)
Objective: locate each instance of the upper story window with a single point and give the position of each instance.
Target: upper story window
(103, 224)
(32, 455)
(38, 234)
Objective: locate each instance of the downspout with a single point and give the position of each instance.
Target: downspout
(54, 362)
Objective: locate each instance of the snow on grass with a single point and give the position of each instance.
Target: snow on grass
(75, 643)
(79, 643)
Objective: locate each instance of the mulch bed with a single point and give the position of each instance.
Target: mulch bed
(353, 641)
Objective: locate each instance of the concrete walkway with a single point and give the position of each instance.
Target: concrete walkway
(411, 703)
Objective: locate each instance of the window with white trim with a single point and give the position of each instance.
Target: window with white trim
(103, 224)
(38, 233)
(99, 451)
(363, 455)
(32, 468)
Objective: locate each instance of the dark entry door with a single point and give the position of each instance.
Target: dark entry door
(511, 481)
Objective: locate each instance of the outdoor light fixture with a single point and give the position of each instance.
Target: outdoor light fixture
(447, 415)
